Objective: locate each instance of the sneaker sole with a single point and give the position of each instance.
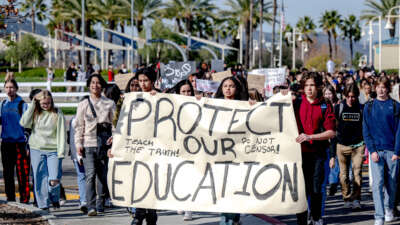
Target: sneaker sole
(92, 214)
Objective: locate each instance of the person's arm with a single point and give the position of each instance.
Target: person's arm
(27, 117)
(61, 135)
(80, 126)
(368, 137)
(397, 140)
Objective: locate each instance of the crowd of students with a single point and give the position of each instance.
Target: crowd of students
(342, 118)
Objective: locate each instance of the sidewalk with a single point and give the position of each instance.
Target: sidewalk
(69, 214)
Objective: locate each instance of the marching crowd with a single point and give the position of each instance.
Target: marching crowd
(344, 120)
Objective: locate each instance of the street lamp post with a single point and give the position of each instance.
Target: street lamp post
(370, 34)
(294, 45)
(83, 34)
(390, 26)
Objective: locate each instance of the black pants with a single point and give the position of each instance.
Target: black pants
(149, 214)
(14, 156)
(313, 170)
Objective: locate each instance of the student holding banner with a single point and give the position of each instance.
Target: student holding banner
(316, 124)
(230, 89)
(146, 78)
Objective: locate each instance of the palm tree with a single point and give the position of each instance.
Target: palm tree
(351, 30)
(306, 26)
(36, 9)
(144, 9)
(336, 21)
(326, 25)
(381, 8)
(186, 11)
(239, 12)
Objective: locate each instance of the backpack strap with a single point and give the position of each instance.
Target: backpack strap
(92, 107)
(20, 107)
(341, 106)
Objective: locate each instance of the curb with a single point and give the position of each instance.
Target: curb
(49, 217)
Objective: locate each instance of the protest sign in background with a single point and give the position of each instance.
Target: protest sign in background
(175, 152)
(174, 72)
(273, 77)
(207, 85)
(217, 65)
(121, 80)
(221, 75)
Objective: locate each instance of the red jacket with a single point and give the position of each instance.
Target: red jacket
(310, 120)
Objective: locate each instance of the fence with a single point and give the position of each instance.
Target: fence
(57, 96)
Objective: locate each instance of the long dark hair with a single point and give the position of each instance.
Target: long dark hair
(113, 92)
(177, 88)
(238, 91)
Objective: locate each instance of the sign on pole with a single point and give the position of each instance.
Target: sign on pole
(273, 77)
(214, 155)
(174, 72)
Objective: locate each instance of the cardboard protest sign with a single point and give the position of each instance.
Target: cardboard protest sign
(175, 152)
(174, 72)
(121, 80)
(273, 77)
(217, 65)
(207, 85)
(221, 75)
(256, 81)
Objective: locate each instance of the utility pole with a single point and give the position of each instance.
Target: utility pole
(261, 35)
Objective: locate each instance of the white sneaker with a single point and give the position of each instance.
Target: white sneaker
(356, 204)
(347, 205)
(319, 222)
(378, 222)
(389, 217)
(180, 212)
(187, 216)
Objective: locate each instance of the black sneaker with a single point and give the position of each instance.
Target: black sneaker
(333, 189)
(83, 209)
(56, 205)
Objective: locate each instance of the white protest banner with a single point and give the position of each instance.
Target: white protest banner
(207, 85)
(175, 152)
(173, 72)
(273, 77)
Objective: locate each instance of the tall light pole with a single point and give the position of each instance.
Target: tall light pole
(293, 34)
(133, 54)
(390, 26)
(240, 37)
(83, 34)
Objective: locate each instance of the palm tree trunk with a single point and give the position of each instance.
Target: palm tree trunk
(251, 34)
(334, 38)
(33, 19)
(139, 25)
(392, 32)
(351, 48)
(87, 33)
(330, 44)
(273, 33)
(123, 42)
(260, 36)
(247, 48)
(78, 25)
(178, 23)
(111, 26)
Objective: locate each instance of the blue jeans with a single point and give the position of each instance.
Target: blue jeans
(45, 166)
(384, 179)
(81, 180)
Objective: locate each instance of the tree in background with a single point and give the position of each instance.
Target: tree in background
(306, 26)
(381, 8)
(36, 9)
(326, 25)
(26, 50)
(335, 21)
(352, 31)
